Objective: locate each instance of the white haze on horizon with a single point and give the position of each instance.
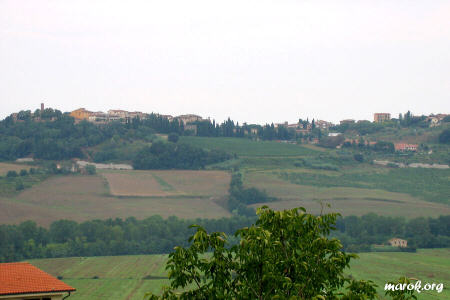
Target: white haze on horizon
(258, 61)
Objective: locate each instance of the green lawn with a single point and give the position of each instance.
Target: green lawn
(130, 276)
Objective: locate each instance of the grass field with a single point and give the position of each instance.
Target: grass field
(426, 184)
(345, 200)
(245, 147)
(83, 198)
(427, 265)
(116, 277)
(167, 183)
(129, 277)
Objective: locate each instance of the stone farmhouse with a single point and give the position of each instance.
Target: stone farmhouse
(381, 117)
(401, 147)
(396, 242)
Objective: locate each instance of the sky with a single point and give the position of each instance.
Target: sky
(257, 61)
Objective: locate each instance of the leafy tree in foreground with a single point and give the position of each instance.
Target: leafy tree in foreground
(285, 255)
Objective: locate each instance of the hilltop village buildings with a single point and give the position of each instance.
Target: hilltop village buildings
(191, 121)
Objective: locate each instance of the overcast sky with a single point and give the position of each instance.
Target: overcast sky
(256, 61)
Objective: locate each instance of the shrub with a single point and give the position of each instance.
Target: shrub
(358, 157)
(444, 137)
(19, 185)
(91, 170)
(23, 172)
(173, 137)
(11, 174)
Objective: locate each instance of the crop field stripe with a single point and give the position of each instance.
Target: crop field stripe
(164, 185)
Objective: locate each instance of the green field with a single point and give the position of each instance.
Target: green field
(130, 276)
(428, 184)
(427, 265)
(345, 200)
(245, 147)
(109, 277)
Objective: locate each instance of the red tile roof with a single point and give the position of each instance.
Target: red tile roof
(24, 278)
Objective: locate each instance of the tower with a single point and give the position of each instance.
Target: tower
(42, 106)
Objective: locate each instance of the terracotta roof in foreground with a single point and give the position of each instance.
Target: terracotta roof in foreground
(24, 278)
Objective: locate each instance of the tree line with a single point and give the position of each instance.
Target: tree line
(65, 238)
(240, 197)
(169, 155)
(155, 235)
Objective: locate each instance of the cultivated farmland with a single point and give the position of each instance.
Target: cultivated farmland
(83, 198)
(5, 167)
(130, 276)
(345, 200)
(167, 183)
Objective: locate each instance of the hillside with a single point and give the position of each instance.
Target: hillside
(297, 175)
(129, 277)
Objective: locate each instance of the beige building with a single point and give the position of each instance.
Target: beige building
(23, 281)
(81, 114)
(189, 118)
(323, 124)
(396, 242)
(405, 147)
(381, 117)
(121, 114)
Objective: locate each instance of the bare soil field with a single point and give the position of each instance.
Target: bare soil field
(167, 183)
(345, 200)
(83, 198)
(5, 167)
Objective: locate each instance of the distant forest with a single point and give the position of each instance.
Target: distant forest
(155, 235)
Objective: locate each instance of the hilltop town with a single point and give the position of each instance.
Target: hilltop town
(304, 131)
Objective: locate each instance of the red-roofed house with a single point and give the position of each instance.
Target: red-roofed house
(21, 281)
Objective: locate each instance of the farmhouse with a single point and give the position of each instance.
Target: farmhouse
(405, 147)
(80, 114)
(323, 124)
(396, 242)
(21, 281)
(381, 117)
(190, 118)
